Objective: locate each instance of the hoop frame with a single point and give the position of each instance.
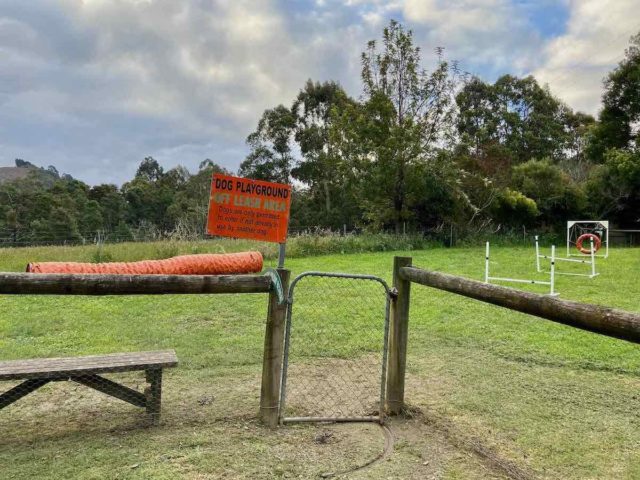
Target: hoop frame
(605, 238)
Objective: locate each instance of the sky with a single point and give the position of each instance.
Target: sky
(94, 86)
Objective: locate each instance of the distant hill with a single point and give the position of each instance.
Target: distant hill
(24, 168)
(9, 174)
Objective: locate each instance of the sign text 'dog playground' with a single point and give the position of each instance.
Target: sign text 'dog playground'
(244, 208)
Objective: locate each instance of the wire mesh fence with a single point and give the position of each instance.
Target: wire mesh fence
(336, 348)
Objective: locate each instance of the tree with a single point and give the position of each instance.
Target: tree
(148, 196)
(190, 204)
(113, 206)
(321, 169)
(524, 119)
(556, 196)
(576, 163)
(407, 115)
(20, 163)
(271, 157)
(619, 120)
(150, 170)
(614, 188)
(514, 209)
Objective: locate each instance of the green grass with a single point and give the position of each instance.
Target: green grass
(16, 259)
(554, 401)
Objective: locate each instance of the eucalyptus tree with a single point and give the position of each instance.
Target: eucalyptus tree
(406, 117)
(272, 153)
(619, 119)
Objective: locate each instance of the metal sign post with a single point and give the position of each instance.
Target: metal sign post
(281, 254)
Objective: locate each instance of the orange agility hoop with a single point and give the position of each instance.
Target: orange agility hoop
(587, 237)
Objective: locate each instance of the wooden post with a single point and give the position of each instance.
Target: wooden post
(398, 334)
(273, 350)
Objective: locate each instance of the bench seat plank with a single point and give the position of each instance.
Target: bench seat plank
(92, 364)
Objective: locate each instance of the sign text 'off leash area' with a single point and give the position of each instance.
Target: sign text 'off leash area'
(245, 208)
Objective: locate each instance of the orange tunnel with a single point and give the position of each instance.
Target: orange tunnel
(200, 264)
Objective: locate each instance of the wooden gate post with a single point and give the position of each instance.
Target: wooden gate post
(273, 350)
(398, 334)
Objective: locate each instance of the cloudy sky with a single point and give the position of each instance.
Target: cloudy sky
(93, 86)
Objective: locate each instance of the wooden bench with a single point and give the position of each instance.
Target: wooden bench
(87, 370)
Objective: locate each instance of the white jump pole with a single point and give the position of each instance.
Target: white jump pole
(486, 264)
(593, 259)
(553, 268)
(537, 255)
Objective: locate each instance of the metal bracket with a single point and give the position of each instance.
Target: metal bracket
(276, 284)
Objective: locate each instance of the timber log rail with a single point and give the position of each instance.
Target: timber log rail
(91, 284)
(595, 318)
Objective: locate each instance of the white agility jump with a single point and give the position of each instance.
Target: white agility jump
(550, 283)
(591, 262)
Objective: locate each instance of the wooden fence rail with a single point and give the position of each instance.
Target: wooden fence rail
(73, 284)
(595, 318)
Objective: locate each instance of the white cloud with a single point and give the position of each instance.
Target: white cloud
(477, 32)
(157, 77)
(575, 63)
(93, 86)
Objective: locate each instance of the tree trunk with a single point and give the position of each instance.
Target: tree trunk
(399, 197)
(327, 197)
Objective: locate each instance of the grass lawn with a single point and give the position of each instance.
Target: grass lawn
(493, 393)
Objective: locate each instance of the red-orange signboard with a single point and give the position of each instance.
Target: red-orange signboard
(245, 208)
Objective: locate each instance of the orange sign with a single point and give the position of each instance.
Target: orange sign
(245, 208)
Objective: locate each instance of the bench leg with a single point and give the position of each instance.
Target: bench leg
(19, 391)
(114, 389)
(154, 393)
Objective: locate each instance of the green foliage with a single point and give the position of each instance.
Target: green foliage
(43, 207)
(620, 115)
(614, 187)
(407, 114)
(271, 155)
(514, 208)
(517, 114)
(554, 193)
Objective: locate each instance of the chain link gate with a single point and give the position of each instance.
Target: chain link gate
(335, 353)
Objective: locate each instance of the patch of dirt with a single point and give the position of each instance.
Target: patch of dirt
(422, 421)
(334, 387)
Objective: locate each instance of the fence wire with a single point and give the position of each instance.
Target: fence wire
(336, 348)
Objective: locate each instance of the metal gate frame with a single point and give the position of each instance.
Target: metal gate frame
(285, 363)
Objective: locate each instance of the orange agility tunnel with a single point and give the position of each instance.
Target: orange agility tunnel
(200, 264)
